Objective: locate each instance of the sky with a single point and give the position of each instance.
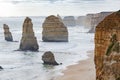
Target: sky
(54, 7)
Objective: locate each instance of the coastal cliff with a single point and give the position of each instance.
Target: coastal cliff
(107, 48)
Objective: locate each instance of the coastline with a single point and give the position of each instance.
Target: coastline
(84, 70)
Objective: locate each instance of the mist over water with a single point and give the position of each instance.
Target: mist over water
(62, 7)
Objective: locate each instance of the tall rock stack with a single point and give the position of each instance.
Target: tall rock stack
(54, 30)
(107, 48)
(7, 33)
(28, 41)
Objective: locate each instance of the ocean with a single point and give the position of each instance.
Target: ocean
(20, 65)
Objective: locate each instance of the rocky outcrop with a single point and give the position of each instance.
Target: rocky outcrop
(7, 33)
(54, 30)
(48, 58)
(28, 41)
(107, 48)
(80, 21)
(92, 20)
(69, 21)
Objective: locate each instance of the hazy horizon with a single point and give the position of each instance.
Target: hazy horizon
(54, 7)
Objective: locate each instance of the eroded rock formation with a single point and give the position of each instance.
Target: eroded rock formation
(54, 30)
(48, 58)
(92, 20)
(107, 48)
(7, 33)
(28, 41)
(69, 21)
(80, 21)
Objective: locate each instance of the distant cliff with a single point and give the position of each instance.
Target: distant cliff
(69, 21)
(107, 48)
(80, 21)
(92, 20)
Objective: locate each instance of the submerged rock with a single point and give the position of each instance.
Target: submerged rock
(107, 48)
(48, 58)
(54, 30)
(7, 33)
(28, 41)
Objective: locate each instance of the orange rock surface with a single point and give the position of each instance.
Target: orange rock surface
(107, 48)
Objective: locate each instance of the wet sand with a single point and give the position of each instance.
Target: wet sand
(85, 70)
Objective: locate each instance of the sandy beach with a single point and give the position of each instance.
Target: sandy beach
(85, 70)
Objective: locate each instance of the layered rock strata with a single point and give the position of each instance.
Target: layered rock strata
(54, 30)
(107, 48)
(28, 41)
(7, 33)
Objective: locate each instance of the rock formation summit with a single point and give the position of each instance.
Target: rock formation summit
(7, 33)
(107, 48)
(28, 41)
(48, 58)
(54, 30)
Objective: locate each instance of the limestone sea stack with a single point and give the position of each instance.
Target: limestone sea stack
(48, 58)
(28, 41)
(107, 48)
(7, 33)
(69, 21)
(54, 30)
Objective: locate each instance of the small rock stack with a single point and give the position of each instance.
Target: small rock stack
(28, 41)
(7, 33)
(54, 30)
(48, 58)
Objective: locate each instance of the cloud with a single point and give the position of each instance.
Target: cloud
(49, 1)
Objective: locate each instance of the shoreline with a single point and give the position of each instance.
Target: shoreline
(84, 70)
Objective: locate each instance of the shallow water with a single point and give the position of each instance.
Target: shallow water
(19, 65)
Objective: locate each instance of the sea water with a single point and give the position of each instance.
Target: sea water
(20, 65)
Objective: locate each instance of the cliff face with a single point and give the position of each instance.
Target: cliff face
(69, 21)
(54, 30)
(107, 48)
(92, 20)
(7, 33)
(28, 41)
